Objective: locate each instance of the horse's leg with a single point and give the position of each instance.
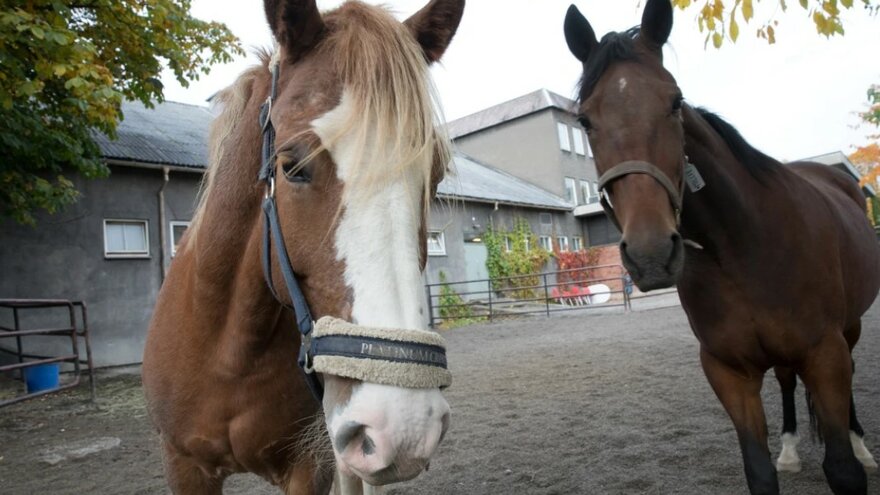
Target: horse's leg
(827, 374)
(788, 459)
(307, 478)
(185, 477)
(857, 435)
(741, 397)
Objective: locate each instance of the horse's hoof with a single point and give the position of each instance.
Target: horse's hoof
(788, 467)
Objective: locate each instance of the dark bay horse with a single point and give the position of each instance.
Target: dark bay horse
(775, 264)
(357, 155)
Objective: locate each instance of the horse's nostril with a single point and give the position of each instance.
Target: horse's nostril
(368, 446)
(348, 432)
(444, 422)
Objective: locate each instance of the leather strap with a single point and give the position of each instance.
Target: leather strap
(676, 194)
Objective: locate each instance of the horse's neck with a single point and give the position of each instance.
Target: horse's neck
(719, 215)
(226, 265)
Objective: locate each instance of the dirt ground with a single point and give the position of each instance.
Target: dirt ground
(593, 404)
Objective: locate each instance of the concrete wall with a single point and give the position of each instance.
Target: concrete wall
(528, 147)
(63, 257)
(458, 220)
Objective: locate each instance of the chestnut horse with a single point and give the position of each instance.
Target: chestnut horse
(358, 153)
(775, 264)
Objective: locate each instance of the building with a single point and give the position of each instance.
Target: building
(551, 151)
(111, 248)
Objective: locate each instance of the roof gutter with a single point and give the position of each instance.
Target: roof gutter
(153, 166)
(502, 202)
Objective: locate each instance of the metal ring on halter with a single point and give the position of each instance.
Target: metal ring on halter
(270, 187)
(268, 113)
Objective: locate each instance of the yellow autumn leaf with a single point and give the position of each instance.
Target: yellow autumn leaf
(747, 10)
(59, 70)
(717, 39)
(734, 29)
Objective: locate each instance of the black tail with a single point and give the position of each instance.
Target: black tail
(815, 431)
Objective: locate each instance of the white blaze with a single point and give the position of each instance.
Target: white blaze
(377, 239)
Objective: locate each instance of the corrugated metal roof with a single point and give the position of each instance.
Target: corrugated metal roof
(838, 160)
(477, 181)
(509, 110)
(169, 134)
(177, 134)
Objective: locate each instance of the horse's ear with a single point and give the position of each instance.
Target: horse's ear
(296, 24)
(656, 23)
(434, 26)
(579, 34)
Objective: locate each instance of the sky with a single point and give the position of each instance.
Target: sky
(795, 99)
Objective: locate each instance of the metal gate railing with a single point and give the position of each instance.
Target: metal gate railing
(71, 331)
(535, 294)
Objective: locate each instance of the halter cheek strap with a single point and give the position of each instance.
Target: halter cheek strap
(403, 358)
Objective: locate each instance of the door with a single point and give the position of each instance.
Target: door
(475, 255)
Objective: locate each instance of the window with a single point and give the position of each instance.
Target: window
(578, 141)
(564, 140)
(545, 218)
(508, 243)
(544, 241)
(436, 243)
(570, 191)
(562, 241)
(594, 192)
(585, 191)
(177, 231)
(126, 239)
(577, 243)
(601, 231)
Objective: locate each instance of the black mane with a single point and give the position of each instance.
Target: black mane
(614, 47)
(751, 158)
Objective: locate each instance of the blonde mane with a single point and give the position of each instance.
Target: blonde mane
(385, 73)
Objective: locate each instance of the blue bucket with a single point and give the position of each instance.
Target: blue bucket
(41, 377)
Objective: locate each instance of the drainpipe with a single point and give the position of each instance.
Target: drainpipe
(162, 222)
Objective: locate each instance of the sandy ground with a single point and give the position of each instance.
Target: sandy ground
(578, 404)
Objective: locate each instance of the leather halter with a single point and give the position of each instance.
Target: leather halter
(357, 348)
(676, 194)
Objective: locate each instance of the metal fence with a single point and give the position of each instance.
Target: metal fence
(537, 294)
(74, 329)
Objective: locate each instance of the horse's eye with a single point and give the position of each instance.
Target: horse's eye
(676, 104)
(293, 168)
(585, 123)
(296, 172)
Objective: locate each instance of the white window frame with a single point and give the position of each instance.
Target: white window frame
(564, 136)
(546, 242)
(528, 244)
(594, 192)
(586, 191)
(571, 190)
(577, 243)
(172, 248)
(441, 241)
(127, 254)
(562, 241)
(578, 141)
(508, 244)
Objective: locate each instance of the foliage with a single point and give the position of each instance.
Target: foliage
(66, 67)
(717, 22)
(867, 158)
(510, 269)
(453, 309)
(579, 261)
